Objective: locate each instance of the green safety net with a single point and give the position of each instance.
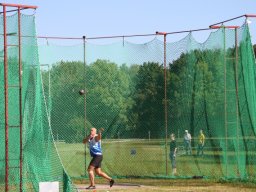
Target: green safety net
(41, 161)
(139, 97)
(209, 86)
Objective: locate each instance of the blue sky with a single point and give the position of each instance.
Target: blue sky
(124, 17)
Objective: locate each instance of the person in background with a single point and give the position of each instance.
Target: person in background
(173, 150)
(187, 142)
(201, 142)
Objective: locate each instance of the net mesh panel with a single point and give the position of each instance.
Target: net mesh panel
(41, 162)
(210, 86)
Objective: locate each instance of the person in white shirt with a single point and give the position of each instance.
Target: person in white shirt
(94, 143)
(187, 142)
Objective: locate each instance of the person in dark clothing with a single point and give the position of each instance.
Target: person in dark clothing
(173, 150)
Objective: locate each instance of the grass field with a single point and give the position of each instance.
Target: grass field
(140, 158)
(140, 166)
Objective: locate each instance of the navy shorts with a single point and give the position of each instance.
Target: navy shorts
(96, 161)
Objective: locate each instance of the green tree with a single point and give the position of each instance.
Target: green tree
(67, 118)
(148, 108)
(108, 96)
(195, 88)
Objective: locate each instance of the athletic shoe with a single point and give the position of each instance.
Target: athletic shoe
(111, 182)
(90, 187)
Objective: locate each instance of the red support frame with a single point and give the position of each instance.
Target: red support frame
(18, 6)
(250, 15)
(20, 96)
(6, 88)
(6, 103)
(223, 26)
(165, 101)
(232, 19)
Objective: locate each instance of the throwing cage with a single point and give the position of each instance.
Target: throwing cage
(140, 94)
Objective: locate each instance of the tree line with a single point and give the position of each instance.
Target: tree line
(129, 101)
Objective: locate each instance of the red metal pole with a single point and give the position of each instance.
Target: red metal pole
(6, 102)
(20, 95)
(19, 6)
(6, 93)
(237, 99)
(249, 15)
(165, 105)
(224, 26)
(165, 102)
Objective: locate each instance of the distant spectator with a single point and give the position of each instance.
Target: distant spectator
(201, 142)
(187, 142)
(173, 150)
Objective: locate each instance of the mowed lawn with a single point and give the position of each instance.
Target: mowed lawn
(149, 158)
(140, 166)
